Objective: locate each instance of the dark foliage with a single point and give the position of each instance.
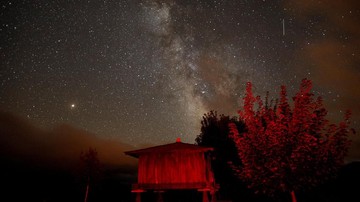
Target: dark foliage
(215, 133)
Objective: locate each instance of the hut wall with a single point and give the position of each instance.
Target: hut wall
(174, 167)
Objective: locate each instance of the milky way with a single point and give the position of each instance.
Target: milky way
(144, 72)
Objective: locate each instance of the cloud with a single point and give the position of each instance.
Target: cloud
(336, 70)
(22, 142)
(332, 53)
(334, 49)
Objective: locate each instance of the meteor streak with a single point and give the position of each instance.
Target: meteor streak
(283, 25)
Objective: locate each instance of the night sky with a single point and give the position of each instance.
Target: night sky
(144, 72)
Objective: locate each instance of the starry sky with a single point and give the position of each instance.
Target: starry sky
(144, 72)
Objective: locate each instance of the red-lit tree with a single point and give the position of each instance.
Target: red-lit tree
(288, 150)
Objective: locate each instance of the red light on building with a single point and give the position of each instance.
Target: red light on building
(174, 166)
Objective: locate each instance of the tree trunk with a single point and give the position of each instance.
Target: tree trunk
(87, 190)
(293, 197)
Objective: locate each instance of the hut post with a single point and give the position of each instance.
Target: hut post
(138, 197)
(138, 194)
(205, 196)
(160, 196)
(213, 196)
(205, 192)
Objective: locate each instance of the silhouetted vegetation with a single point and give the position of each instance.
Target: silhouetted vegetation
(91, 168)
(215, 134)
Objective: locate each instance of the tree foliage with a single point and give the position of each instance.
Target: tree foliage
(215, 134)
(288, 149)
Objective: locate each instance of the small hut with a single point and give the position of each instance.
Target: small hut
(174, 166)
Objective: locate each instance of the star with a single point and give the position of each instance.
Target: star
(173, 60)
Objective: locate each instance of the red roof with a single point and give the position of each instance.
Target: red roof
(173, 147)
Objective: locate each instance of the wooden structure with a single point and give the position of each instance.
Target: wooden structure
(174, 166)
